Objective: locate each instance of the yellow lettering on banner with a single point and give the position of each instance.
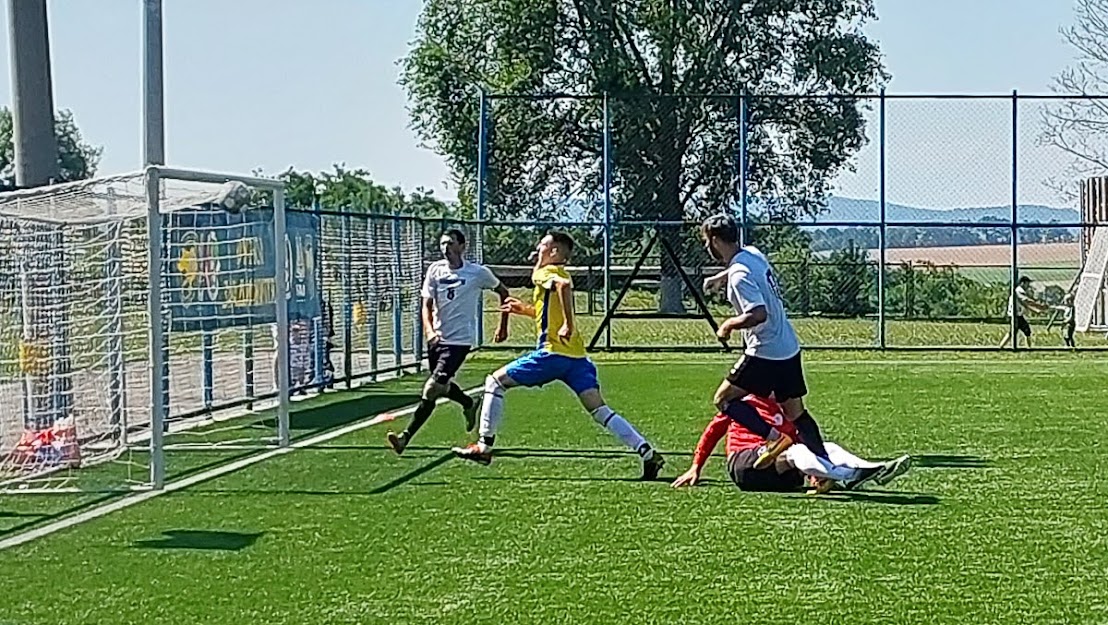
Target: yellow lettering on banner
(241, 294)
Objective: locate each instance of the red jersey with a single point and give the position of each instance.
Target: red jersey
(738, 437)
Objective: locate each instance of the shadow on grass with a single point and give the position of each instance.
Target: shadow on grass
(20, 515)
(889, 498)
(414, 473)
(531, 478)
(941, 461)
(201, 540)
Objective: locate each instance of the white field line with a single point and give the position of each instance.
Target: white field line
(131, 500)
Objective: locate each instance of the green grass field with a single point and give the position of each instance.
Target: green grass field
(1001, 521)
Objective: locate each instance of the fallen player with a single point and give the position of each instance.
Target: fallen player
(789, 472)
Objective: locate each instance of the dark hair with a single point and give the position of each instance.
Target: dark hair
(457, 235)
(562, 240)
(1024, 279)
(722, 227)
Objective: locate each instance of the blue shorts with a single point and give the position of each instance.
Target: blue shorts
(542, 367)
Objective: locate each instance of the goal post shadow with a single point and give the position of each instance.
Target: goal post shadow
(702, 306)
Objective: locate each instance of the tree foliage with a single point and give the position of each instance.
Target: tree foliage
(1076, 125)
(355, 190)
(674, 153)
(77, 159)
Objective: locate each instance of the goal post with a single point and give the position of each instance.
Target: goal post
(136, 314)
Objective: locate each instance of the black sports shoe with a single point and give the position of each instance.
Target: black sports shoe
(864, 475)
(397, 441)
(653, 466)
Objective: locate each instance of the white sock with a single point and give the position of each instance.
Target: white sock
(492, 407)
(623, 430)
(808, 463)
(842, 457)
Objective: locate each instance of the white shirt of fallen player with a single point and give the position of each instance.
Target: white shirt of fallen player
(750, 284)
(456, 294)
(1020, 297)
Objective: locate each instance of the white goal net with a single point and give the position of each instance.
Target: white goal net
(79, 354)
(1090, 287)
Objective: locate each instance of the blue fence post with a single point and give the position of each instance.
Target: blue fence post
(482, 172)
(1015, 219)
(417, 329)
(744, 154)
(607, 174)
(373, 301)
(207, 368)
(882, 232)
(166, 328)
(318, 338)
(397, 297)
(248, 337)
(347, 300)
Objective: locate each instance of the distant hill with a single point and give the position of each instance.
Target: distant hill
(842, 209)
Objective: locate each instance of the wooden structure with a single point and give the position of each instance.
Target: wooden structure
(1094, 212)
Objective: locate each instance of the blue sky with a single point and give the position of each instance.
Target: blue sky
(273, 83)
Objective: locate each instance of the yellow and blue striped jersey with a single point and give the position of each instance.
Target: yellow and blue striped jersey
(549, 315)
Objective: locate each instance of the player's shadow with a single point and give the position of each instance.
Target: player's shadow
(411, 475)
(4, 514)
(888, 498)
(943, 461)
(200, 540)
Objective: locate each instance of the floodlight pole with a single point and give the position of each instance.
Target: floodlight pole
(153, 110)
(35, 145)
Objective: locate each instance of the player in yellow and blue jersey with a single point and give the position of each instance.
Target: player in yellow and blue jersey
(560, 356)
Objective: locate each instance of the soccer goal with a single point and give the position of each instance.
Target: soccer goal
(143, 311)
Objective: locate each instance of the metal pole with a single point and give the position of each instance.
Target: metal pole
(882, 241)
(744, 154)
(282, 275)
(347, 302)
(153, 110)
(158, 382)
(1015, 219)
(482, 171)
(397, 297)
(34, 141)
(607, 218)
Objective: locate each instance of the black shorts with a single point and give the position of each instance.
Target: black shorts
(740, 468)
(784, 379)
(445, 360)
(1023, 326)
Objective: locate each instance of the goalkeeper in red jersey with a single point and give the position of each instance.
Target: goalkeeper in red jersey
(788, 473)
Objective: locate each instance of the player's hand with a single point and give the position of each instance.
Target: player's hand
(565, 332)
(688, 478)
(433, 337)
(724, 332)
(501, 334)
(514, 306)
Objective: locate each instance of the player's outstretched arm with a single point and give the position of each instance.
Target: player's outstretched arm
(564, 290)
(427, 313)
(512, 306)
(753, 317)
(716, 282)
(716, 430)
(502, 327)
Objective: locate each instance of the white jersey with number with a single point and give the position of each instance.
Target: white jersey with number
(457, 297)
(750, 284)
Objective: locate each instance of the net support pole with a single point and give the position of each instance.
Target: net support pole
(882, 232)
(282, 275)
(114, 344)
(248, 364)
(1014, 270)
(744, 154)
(153, 101)
(607, 174)
(482, 215)
(158, 382)
(207, 367)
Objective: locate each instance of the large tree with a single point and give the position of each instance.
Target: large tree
(675, 154)
(77, 160)
(1076, 125)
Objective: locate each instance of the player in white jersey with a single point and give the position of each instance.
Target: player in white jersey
(452, 292)
(1017, 302)
(771, 365)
